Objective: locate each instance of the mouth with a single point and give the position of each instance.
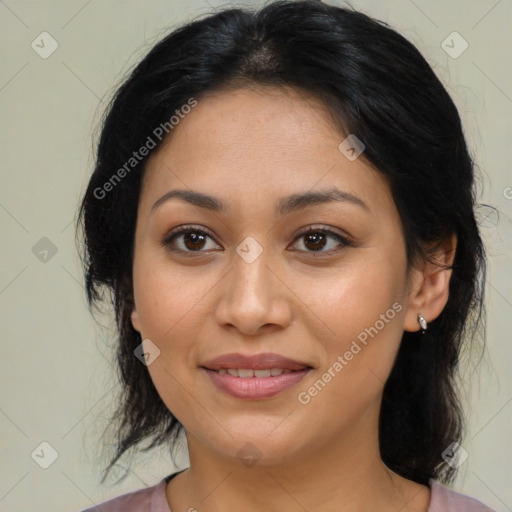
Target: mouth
(254, 377)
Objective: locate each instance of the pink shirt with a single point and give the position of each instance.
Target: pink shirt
(153, 499)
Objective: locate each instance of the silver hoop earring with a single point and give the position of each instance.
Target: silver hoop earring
(423, 323)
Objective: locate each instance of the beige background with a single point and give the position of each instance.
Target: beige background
(57, 382)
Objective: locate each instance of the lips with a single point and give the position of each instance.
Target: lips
(254, 377)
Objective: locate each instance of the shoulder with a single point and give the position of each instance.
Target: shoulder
(445, 500)
(147, 499)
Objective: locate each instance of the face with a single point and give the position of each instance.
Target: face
(248, 278)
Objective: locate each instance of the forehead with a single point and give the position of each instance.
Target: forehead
(254, 145)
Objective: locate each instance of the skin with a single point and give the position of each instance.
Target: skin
(249, 148)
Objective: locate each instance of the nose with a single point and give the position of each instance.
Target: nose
(253, 296)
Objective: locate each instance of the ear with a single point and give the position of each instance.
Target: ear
(429, 288)
(134, 315)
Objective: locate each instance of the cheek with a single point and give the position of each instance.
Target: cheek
(166, 296)
(171, 306)
(352, 297)
(362, 322)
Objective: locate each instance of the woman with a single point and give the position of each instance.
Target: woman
(282, 207)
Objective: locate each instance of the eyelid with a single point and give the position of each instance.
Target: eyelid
(324, 229)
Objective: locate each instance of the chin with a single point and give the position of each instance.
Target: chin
(258, 447)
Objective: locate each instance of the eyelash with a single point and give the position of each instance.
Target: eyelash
(167, 242)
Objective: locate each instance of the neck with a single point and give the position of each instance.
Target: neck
(348, 475)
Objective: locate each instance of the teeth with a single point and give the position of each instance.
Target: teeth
(245, 373)
(261, 373)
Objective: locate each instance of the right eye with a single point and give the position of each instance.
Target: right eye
(187, 239)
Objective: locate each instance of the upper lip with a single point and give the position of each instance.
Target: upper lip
(254, 362)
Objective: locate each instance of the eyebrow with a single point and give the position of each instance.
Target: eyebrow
(284, 205)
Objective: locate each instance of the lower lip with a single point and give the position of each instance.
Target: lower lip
(255, 388)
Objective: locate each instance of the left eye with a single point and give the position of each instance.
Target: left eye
(316, 239)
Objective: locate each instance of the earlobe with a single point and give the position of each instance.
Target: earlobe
(431, 292)
(135, 319)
